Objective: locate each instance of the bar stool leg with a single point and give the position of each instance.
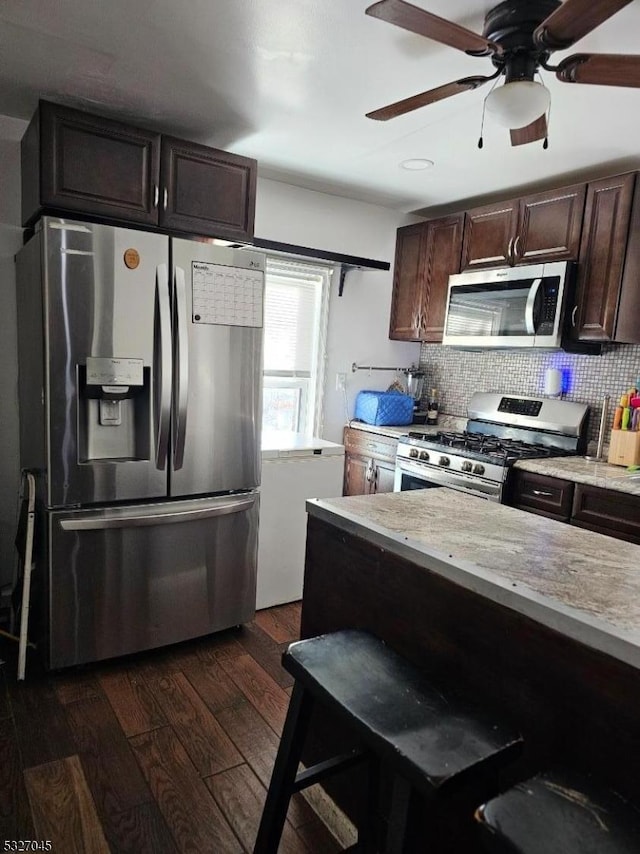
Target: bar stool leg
(398, 816)
(284, 772)
(368, 810)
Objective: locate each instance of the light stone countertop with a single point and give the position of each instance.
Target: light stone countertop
(582, 470)
(582, 584)
(445, 422)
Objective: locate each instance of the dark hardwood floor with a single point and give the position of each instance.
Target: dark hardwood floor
(168, 751)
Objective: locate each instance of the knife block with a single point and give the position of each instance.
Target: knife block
(624, 448)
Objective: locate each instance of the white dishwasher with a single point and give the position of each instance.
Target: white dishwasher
(294, 468)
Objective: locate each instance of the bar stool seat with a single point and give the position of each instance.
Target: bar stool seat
(430, 743)
(560, 812)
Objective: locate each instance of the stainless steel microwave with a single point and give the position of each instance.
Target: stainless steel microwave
(508, 307)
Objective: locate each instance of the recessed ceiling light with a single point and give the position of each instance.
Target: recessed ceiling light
(417, 163)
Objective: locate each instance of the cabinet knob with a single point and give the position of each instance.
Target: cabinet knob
(573, 315)
(156, 195)
(165, 199)
(542, 493)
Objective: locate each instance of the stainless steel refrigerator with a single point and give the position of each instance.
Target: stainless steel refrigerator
(140, 364)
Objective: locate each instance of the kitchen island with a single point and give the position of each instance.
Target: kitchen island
(534, 618)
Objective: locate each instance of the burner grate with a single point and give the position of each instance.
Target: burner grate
(486, 446)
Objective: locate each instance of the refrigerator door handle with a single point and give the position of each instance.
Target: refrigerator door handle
(117, 518)
(162, 379)
(181, 368)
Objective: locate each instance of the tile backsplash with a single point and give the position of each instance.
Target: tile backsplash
(586, 379)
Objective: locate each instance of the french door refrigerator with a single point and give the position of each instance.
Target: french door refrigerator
(140, 363)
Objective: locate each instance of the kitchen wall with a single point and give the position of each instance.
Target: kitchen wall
(457, 374)
(11, 131)
(358, 321)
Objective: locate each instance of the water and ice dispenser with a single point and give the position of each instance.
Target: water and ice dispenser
(114, 403)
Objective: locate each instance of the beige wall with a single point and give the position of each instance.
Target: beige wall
(10, 241)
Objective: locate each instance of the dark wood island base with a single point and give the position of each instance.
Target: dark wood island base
(575, 706)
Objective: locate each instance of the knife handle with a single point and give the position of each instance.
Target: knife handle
(617, 418)
(626, 418)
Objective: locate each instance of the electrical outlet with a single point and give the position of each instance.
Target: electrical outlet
(341, 382)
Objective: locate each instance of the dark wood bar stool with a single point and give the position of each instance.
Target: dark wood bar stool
(429, 743)
(560, 813)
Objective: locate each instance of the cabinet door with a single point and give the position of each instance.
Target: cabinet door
(443, 248)
(358, 474)
(489, 233)
(409, 293)
(383, 477)
(207, 191)
(607, 511)
(602, 255)
(537, 493)
(549, 226)
(95, 166)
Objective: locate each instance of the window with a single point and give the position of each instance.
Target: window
(295, 323)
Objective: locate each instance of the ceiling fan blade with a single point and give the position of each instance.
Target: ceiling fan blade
(573, 20)
(430, 97)
(601, 69)
(423, 23)
(530, 133)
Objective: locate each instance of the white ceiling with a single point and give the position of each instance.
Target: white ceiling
(289, 82)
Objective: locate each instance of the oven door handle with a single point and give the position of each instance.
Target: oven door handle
(452, 479)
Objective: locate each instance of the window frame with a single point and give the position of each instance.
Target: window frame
(310, 383)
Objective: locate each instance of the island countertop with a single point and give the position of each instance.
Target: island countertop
(577, 582)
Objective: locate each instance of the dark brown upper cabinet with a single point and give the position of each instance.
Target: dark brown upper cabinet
(79, 163)
(426, 255)
(488, 235)
(74, 161)
(540, 227)
(607, 299)
(408, 283)
(205, 190)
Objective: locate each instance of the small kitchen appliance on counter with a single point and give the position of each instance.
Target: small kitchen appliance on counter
(501, 429)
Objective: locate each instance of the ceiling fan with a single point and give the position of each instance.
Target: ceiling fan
(519, 37)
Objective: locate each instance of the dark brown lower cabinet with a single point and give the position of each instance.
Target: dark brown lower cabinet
(607, 511)
(369, 463)
(546, 496)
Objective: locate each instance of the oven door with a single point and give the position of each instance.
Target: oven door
(411, 475)
(516, 307)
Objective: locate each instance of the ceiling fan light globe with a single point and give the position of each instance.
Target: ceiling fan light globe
(517, 104)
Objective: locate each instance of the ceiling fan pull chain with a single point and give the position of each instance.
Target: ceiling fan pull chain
(484, 108)
(545, 144)
(481, 140)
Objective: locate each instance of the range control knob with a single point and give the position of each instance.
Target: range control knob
(467, 466)
(413, 453)
(424, 455)
(478, 469)
(444, 461)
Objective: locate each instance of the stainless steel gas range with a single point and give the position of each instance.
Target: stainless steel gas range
(501, 428)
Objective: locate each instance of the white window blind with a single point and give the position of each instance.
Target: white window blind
(295, 320)
(290, 314)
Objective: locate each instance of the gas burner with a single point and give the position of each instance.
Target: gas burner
(500, 430)
(485, 446)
